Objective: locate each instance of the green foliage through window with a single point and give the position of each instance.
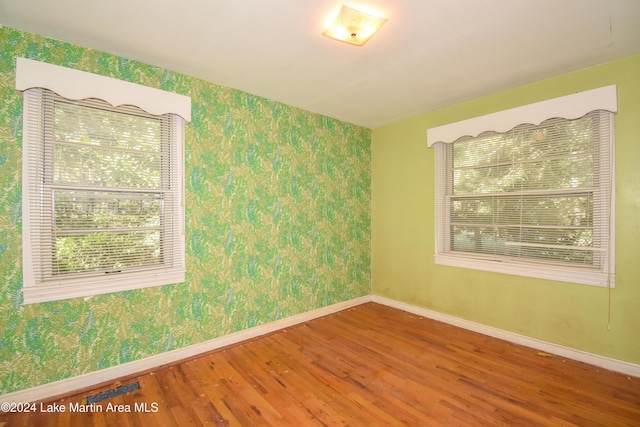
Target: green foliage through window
(107, 186)
(527, 193)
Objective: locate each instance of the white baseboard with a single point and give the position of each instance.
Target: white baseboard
(48, 391)
(547, 347)
(57, 388)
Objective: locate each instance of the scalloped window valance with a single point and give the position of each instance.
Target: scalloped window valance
(567, 107)
(76, 85)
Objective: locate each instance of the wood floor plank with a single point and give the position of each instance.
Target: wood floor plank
(213, 391)
(288, 369)
(254, 362)
(324, 394)
(370, 365)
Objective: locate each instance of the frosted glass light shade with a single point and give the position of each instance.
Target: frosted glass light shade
(354, 27)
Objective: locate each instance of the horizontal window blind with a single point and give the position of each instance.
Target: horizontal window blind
(537, 194)
(104, 191)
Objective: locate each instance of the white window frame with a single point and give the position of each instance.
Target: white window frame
(569, 107)
(75, 85)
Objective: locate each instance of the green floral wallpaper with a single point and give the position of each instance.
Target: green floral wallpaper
(277, 214)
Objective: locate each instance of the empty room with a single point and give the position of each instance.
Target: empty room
(317, 213)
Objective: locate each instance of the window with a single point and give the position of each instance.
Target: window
(535, 200)
(102, 196)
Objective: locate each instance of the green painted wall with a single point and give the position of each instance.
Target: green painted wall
(403, 242)
(277, 216)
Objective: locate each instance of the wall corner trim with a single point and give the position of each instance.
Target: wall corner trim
(548, 347)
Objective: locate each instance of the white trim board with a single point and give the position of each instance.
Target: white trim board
(567, 107)
(47, 391)
(58, 388)
(76, 84)
(551, 348)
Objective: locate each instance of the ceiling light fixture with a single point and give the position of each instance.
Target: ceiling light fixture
(354, 27)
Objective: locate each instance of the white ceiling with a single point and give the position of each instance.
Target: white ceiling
(430, 54)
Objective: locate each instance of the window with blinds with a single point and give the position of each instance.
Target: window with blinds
(104, 192)
(535, 193)
(536, 200)
(107, 197)
(102, 183)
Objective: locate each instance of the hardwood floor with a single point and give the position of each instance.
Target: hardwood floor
(368, 366)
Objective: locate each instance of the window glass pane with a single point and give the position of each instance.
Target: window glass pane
(569, 255)
(102, 148)
(86, 165)
(554, 155)
(557, 210)
(81, 124)
(93, 209)
(563, 210)
(482, 240)
(106, 251)
(516, 242)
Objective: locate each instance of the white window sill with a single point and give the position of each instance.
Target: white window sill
(90, 286)
(560, 273)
